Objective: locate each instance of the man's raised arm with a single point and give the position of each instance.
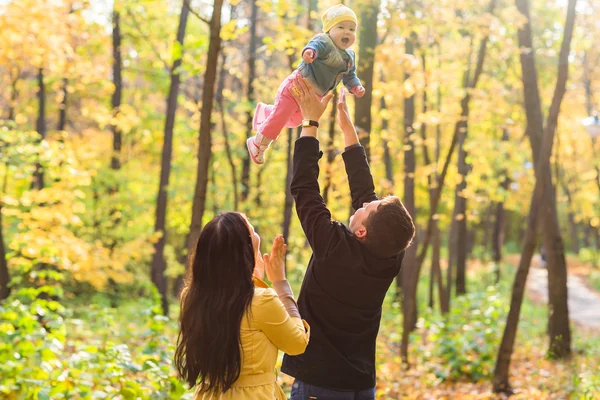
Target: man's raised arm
(360, 179)
(322, 233)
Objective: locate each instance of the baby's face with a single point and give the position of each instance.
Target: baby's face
(343, 34)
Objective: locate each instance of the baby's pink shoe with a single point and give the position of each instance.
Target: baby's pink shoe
(257, 145)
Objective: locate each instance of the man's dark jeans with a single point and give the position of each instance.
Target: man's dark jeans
(304, 391)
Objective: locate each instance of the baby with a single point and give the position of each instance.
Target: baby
(326, 60)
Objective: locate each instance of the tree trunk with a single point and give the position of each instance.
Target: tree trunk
(587, 84)
(487, 227)
(62, 114)
(220, 102)
(443, 290)
(288, 203)
(311, 22)
(452, 244)
(212, 174)
(204, 144)
(250, 96)
(258, 199)
(158, 259)
(559, 331)
(500, 220)
(14, 94)
(330, 149)
(460, 203)
(498, 238)
(115, 161)
(387, 157)
(587, 233)
(4, 274)
(368, 10)
(459, 126)
(289, 200)
(437, 271)
(571, 215)
(589, 106)
(410, 277)
(539, 210)
(38, 175)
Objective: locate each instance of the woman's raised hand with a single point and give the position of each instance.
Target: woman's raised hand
(275, 262)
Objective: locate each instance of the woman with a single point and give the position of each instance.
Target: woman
(231, 322)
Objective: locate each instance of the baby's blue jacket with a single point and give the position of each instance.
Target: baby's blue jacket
(330, 66)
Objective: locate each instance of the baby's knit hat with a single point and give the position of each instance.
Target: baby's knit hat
(336, 14)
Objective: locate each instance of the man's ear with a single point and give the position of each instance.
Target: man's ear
(361, 233)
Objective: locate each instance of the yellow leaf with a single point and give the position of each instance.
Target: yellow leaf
(409, 88)
(20, 119)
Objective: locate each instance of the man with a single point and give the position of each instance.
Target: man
(351, 267)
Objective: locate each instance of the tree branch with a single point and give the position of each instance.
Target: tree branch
(459, 126)
(154, 50)
(194, 12)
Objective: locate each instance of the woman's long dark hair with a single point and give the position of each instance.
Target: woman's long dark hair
(216, 295)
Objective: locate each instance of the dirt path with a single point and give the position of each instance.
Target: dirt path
(584, 303)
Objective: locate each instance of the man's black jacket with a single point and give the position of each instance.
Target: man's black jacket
(344, 286)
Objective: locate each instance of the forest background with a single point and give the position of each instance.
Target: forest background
(123, 128)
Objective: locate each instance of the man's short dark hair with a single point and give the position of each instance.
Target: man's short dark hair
(390, 229)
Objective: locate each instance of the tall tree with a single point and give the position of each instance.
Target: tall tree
(38, 175)
(288, 203)
(458, 233)
(4, 273)
(204, 142)
(540, 209)
(250, 95)
(432, 179)
(330, 150)
(62, 113)
(588, 68)
(115, 160)
(500, 217)
(558, 326)
(410, 275)
(460, 203)
(367, 36)
(220, 98)
(458, 128)
(158, 258)
(15, 75)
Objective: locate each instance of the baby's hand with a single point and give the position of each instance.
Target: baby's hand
(358, 91)
(308, 56)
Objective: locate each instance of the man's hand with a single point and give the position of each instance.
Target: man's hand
(358, 91)
(343, 115)
(312, 108)
(344, 121)
(308, 56)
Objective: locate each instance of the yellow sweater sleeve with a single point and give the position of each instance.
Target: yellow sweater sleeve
(288, 334)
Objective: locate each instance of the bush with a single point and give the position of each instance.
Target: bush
(590, 255)
(594, 279)
(467, 339)
(48, 351)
